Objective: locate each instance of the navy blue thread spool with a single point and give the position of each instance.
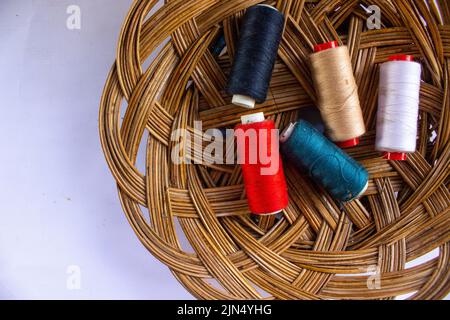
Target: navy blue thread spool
(328, 165)
(261, 33)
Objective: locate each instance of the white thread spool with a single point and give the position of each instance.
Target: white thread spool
(398, 107)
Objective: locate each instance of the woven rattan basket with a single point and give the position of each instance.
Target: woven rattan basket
(316, 250)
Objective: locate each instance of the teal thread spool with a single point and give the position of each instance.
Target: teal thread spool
(344, 178)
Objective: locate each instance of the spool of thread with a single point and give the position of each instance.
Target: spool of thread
(337, 94)
(265, 183)
(254, 61)
(398, 107)
(328, 165)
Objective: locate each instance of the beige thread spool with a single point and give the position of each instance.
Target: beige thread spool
(337, 94)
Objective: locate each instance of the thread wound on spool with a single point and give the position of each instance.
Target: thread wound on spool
(262, 169)
(329, 166)
(337, 92)
(250, 76)
(398, 107)
(398, 156)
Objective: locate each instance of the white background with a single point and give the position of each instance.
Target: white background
(58, 200)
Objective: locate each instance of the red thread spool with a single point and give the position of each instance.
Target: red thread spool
(266, 193)
(398, 156)
(326, 46)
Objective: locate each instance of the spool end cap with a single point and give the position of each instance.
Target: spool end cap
(398, 156)
(253, 118)
(244, 101)
(286, 134)
(326, 46)
(348, 144)
(401, 57)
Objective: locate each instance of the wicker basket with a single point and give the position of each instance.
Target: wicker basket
(316, 250)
